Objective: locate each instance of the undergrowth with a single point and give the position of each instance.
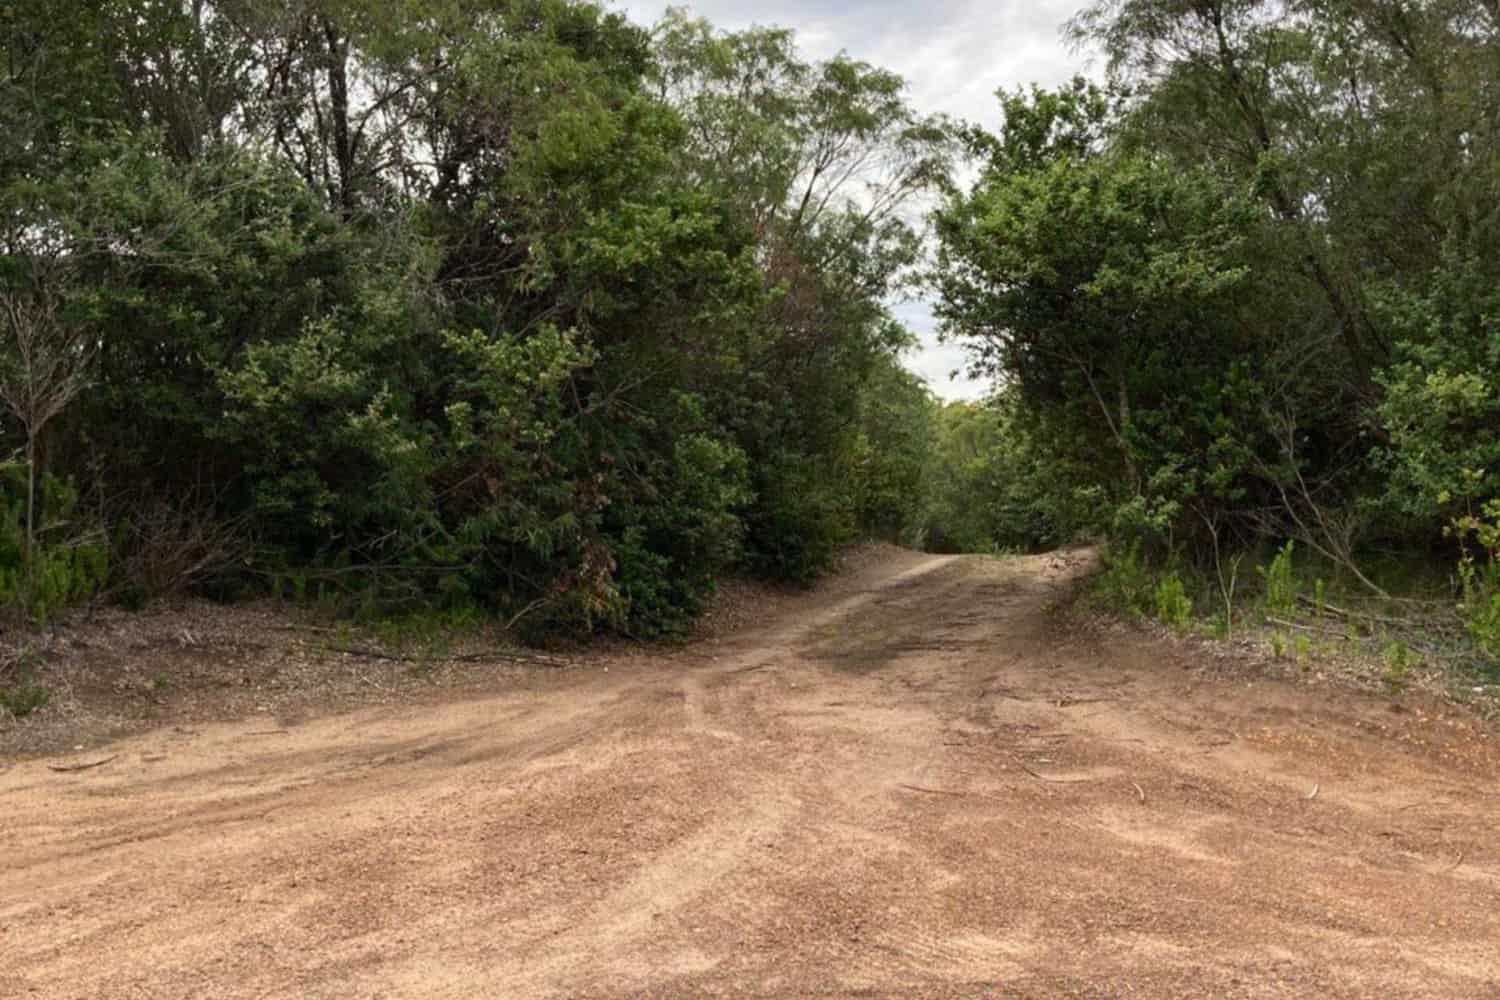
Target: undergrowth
(23, 697)
(1303, 609)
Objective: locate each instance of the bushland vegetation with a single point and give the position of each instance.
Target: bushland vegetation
(499, 304)
(1239, 299)
(516, 308)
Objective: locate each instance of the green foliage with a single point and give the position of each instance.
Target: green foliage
(1280, 581)
(566, 325)
(424, 635)
(560, 329)
(1480, 577)
(1060, 246)
(991, 484)
(1173, 605)
(1125, 582)
(70, 563)
(1398, 666)
(1482, 616)
(1246, 288)
(892, 459)
(670, 555)
(1440, 403)
(23, 697)
(802, 519)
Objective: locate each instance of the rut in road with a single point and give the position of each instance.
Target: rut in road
(918, 782)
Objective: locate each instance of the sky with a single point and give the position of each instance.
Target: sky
(954, 54)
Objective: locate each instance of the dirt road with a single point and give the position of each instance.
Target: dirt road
(918, 782)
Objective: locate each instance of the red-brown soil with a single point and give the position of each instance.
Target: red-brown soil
(920, 781)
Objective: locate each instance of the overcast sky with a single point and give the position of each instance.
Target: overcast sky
(953, 54)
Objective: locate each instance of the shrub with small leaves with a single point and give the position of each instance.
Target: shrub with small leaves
(1173, 606)
(1281, 584)
(23, 698)
(1398, 664)
(1125, 583)
(1481, 579)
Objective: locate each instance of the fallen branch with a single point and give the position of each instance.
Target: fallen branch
(1313, 794)
(1420, 647)
(1305, 628)
(1043, 777)
(1338, 612)
(930, 791)
(755, 666)
(373, 654)
(515, 619)
(82, 767)
(380, 654)
(1140, 791)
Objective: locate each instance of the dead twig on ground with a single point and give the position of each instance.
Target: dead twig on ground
(1424, 622)
(373, 654)
(1042, 777)
(378, 687)
(82, 767)
(1301, 627)
(493, 657)
(757, 666)
(930, 791)
(1419, 647)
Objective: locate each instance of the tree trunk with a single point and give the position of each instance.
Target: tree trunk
(30, 516)
(1353, 325)
(1123, 435)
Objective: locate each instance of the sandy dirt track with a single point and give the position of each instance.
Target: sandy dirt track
(918, 782)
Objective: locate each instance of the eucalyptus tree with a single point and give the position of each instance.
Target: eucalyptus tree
(827, 164)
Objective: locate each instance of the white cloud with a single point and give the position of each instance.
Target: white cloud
(954, 55)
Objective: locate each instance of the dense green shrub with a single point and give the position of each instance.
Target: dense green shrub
(1125, 580)
(801, 521)
(1238, 303)
(603, 344)
(674, 547)
(70, 562)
